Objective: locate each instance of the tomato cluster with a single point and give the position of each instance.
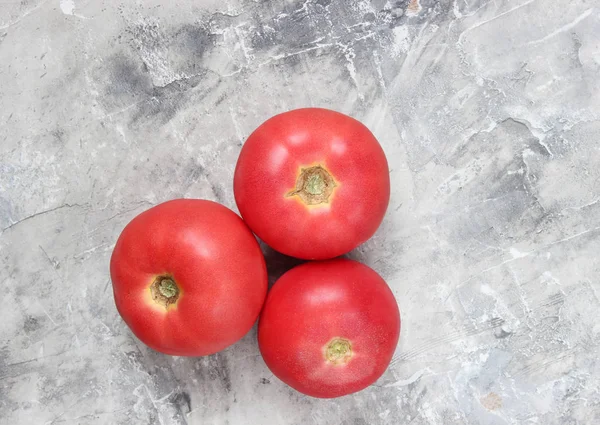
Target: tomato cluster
(189, 277)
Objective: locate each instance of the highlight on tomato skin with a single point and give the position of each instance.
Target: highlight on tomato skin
(312, 183)
(329, 328)
(175, 284)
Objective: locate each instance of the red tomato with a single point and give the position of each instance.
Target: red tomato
(312, 183)
(189, 277)
(329, 328)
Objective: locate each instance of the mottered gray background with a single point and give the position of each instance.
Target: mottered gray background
(488, 111)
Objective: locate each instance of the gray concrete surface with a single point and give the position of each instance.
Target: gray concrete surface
(488, 110)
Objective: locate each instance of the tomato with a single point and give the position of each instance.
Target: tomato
(329, 328)
(189, 277)
(312, 183)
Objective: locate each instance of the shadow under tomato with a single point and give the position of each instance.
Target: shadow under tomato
(277, 263)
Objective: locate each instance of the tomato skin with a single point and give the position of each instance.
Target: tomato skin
(215, 261)
(316, 303)
(269, 165)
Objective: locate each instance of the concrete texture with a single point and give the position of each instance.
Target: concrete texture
(488, 110)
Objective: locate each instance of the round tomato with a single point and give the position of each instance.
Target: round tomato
(329, 328)
(312, 183)
(189, 277)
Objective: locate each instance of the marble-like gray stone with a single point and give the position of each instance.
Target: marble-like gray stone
(488, 110)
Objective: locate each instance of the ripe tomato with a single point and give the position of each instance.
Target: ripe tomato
(312, 183)
(189, 277)
(329, 328)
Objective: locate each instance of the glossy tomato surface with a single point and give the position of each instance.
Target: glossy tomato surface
(312, 183)
(329, 328)
(189, 277)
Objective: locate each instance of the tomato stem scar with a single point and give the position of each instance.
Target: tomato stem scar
(314, 185)
(164, 291)
(168, 288)
(338, 351)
